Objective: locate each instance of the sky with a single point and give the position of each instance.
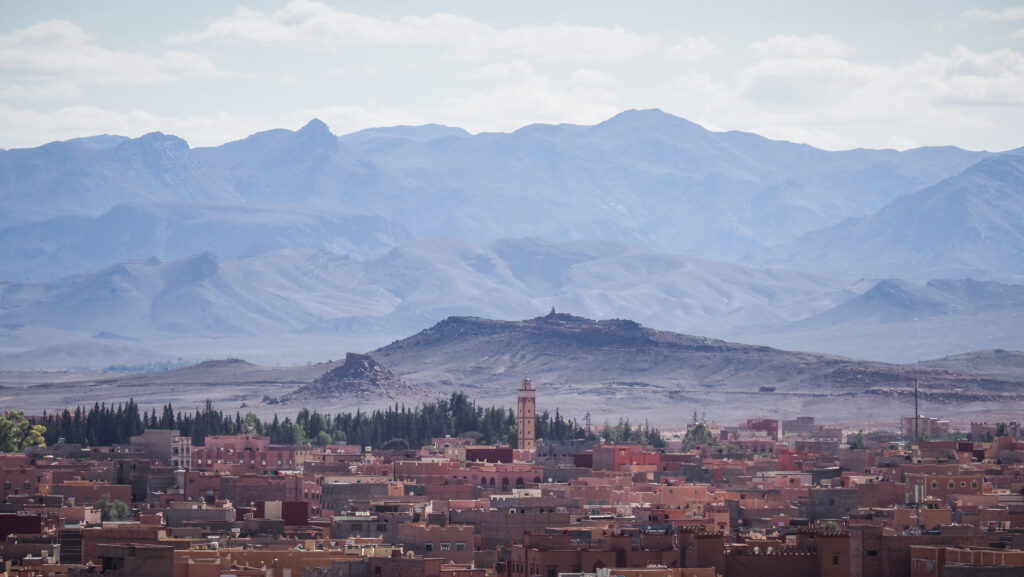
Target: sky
(835, 75)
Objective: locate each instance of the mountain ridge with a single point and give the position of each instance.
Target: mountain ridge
(626, 178)
(576, 364)
(968, 225)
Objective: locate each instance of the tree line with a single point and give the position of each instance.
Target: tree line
(394, 427)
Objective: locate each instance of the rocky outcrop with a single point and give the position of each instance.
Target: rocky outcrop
(360, 377)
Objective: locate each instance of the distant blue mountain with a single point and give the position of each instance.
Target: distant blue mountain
(67, 178)
(408, 287)
(643, 176)
(390, 230)
(98, 142)
(68, 245)
(969, 225)
(422, 133)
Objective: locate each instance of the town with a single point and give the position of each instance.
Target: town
(762, 498)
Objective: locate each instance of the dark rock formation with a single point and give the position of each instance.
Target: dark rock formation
(359, 377)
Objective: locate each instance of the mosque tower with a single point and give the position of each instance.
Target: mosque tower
(527, 415)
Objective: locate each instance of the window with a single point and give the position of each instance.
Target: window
(951, 484)
(974, 484)
(26, 485)
(935, 485)
(835, 559)
(428, 546)
(445, 546)
(460, 545)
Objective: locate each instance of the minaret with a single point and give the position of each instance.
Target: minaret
(527, 415)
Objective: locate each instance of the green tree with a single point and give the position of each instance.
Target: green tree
(323, 438)
(17, 433)
(859, 442)
(397, 445)
(252, 424)
(113, 510)
(698, 435)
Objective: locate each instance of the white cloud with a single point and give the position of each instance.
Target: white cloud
(693, 48)
(901, 143)
(591, 77)
(527, 100)
(316, 25)
(826, 97)
(1004, 15)
(26, 127)
(513, 102)
(967, 77)
(41, 90)
(815, 46)
(930, 84)
(788, 82)
(506, 70)
(58, 53)
(1010, 14)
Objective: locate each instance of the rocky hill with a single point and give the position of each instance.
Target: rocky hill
(996, 363)
(360, 378)
(578, 365)
(592, 365)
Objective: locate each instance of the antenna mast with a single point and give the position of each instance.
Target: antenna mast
(916, 413)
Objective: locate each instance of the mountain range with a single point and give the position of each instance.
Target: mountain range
(112, 248)
(579, 365)
(642, 176)
(970, 225)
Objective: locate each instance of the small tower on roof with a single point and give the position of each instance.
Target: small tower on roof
(526, 414)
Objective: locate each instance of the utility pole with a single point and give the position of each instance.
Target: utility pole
(916, 413)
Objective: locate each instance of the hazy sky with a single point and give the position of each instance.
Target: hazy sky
(835, 75)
